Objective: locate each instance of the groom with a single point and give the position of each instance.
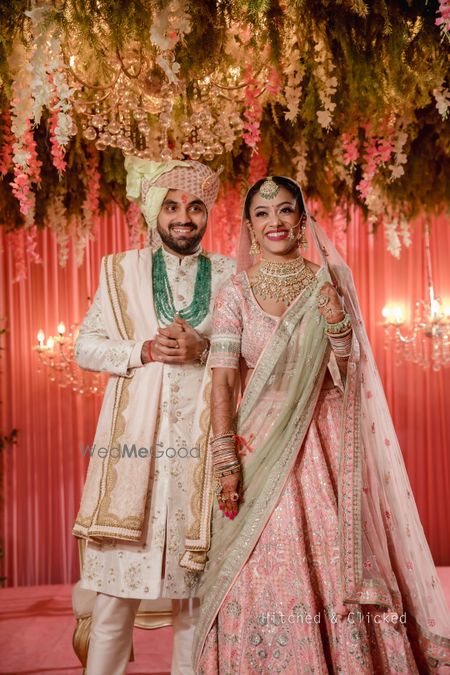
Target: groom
(149, 327)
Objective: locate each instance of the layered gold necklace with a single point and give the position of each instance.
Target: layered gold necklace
(282, 281)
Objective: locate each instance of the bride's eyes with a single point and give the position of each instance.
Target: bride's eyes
(285, 209)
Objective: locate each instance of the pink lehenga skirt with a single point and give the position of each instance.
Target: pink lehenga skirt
(281, 614)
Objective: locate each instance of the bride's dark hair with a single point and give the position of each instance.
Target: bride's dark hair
(282, 182)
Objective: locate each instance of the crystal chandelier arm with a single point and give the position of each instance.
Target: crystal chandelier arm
(95, 350)
(404, 339)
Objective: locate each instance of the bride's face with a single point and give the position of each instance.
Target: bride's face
(276, 222)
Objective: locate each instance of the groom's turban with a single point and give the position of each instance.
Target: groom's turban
(148, 183)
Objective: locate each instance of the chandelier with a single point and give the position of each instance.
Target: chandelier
(56, 355)
(426, 340)
(141, 102)
(142, 114)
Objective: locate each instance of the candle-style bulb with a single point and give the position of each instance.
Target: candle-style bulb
(41, 337)
(61, 328)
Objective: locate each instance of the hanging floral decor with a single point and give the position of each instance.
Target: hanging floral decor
(351, 99)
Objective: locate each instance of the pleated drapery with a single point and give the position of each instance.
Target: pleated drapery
(44, 473)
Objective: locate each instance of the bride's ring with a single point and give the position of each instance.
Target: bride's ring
(234, 497)
(177, 346)
(323, 300)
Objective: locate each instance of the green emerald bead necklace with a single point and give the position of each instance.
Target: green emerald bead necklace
(162, 293)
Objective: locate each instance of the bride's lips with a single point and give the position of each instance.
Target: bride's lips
(277, 235)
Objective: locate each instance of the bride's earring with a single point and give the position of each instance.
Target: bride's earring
(291, 234)
(302, 240)
(255, 249)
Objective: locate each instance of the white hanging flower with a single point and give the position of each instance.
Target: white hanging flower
(327, 84)
(400, 158)
(168, 28)
(393, 243)
(405, 233)
(442, 98)
(300, 162)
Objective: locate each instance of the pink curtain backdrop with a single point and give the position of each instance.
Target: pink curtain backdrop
(44, 472)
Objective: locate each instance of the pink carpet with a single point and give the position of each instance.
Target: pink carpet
(36, 627)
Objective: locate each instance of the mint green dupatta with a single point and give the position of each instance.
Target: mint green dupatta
(274, 416)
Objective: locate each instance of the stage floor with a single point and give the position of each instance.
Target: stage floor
(36, 627)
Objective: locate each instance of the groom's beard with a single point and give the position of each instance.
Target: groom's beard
(182, 243)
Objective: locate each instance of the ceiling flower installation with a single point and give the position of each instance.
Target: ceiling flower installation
(352, 99)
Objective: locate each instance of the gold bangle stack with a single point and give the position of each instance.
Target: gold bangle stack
(225, 461)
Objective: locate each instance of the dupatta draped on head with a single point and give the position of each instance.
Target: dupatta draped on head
(385, 558)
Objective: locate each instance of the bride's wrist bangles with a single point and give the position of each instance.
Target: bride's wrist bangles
(340, 336)
(225, 460)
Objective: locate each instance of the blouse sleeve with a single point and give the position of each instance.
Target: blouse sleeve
(226, 329)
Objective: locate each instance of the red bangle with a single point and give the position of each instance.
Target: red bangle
(149, 351)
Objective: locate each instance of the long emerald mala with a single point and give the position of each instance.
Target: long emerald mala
(162, 293)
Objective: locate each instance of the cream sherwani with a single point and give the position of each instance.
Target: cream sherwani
(148, 568)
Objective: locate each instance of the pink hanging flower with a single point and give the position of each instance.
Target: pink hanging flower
(377, 151)
(92, 199)
(273, 83)
(350, 149)
(27, 170)
(253, 110)
(444, 19)
(31, 245)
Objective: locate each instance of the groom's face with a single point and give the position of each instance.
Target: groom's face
(182, 222)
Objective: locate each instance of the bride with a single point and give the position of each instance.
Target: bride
(317, 561)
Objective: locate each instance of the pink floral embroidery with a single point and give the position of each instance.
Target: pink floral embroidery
(387, 442)
(409, 565)
(369, 394)
(367, 565)
(373, 427)
(431, 622)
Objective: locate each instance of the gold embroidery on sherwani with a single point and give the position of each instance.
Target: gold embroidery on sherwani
(87, 522)
(119, 276)
(119, 424)
(197, 537)
(108, 262)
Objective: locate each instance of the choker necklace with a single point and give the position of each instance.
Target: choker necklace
(283, 281)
